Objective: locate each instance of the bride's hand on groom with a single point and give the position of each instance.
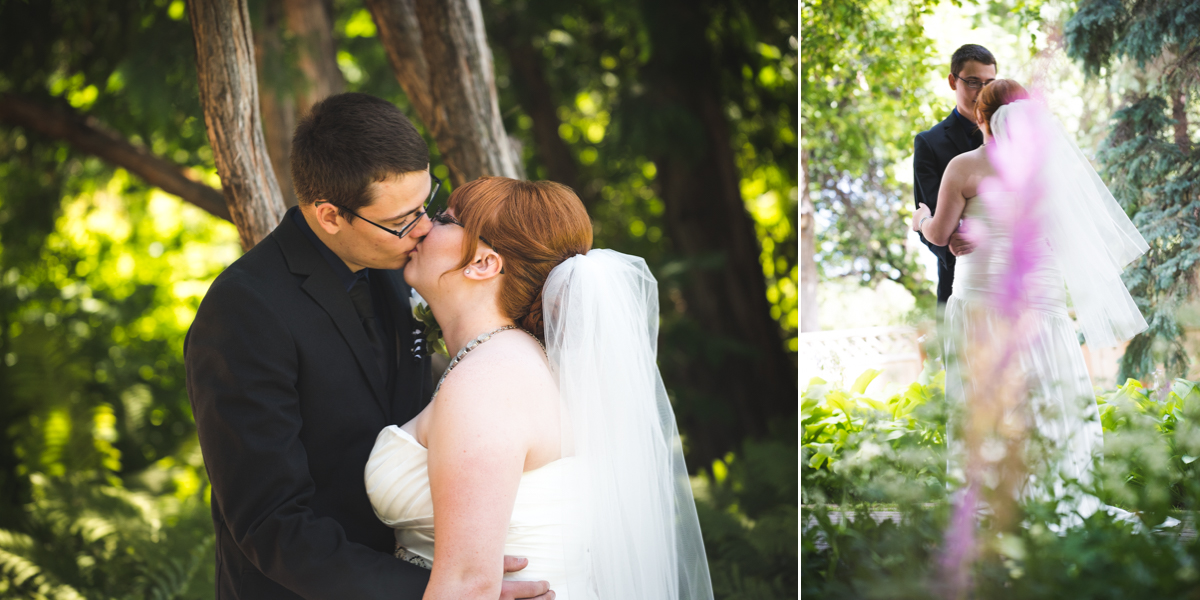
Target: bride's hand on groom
(922, 213)
(514, 590)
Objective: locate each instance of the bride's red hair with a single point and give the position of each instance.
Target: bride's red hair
(997, 94)
(533, 226)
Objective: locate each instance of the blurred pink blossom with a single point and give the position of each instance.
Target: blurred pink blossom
(1012, 198)
(958, 552)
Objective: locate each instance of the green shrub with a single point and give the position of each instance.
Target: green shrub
(872, 523)
(859, 447)
(749, 518)
(87, 538)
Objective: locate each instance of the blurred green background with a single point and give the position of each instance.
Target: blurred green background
(103, 492)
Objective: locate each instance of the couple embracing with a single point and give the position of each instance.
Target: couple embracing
(545, 462)
(1048, 243)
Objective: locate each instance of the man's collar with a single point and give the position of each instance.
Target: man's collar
(343, 272)
(968, 125)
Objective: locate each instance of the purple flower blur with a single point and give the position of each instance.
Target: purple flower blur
(959, 550)
(1012, 197)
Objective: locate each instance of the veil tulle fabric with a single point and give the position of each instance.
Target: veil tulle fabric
(632, 530)
(1091, 236)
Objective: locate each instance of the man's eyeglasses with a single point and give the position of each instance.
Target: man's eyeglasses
(973, 83)
(433, 191)
(445, 219)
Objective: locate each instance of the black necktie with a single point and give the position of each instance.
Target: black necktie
(360, 295)
(976, 138)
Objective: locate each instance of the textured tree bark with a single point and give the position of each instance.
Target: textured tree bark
(276, 100)
(439, 52)
(809, 311)
(282, 100)
(740, 373)
(229, 95)
(309, 21)
(1179, 113)
(400, 33)
(86, 135)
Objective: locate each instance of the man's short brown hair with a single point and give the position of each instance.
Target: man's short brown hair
(968, 52)
(348, 141)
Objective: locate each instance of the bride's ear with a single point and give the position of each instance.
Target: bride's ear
(487, 264)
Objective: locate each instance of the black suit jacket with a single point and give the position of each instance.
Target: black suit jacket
(288, 401)
(932, 151)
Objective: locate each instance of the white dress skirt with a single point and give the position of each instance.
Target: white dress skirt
(1060, 408)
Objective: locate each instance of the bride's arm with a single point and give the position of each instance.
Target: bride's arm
(950, 204)
(476, 456)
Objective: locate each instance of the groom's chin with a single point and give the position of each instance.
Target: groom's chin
(394, 263)
(399, 263)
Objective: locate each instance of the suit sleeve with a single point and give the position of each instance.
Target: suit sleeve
(927, 179)
(241, 372)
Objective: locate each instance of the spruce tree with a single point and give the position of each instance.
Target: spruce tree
(1148, 158)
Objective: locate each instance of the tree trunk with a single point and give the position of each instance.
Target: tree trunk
(808, 250)
(1179, 113)
(276, 99)
(400, 33)
(740, 377)
(229, 96)
(538, 101)
(439, 52)
(283, 100)
(86, 135)
(309, 21)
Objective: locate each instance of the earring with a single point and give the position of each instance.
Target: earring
(468, 272)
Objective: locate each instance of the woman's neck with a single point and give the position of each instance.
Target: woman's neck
(465, 321)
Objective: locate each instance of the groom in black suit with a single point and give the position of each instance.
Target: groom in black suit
(302, 351)
(971, 68)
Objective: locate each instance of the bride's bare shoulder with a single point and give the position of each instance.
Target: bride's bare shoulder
(969, 163)
(508, 369)
(503, 394)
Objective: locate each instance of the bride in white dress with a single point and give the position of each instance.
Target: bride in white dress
(1074, 238)
(565, 453)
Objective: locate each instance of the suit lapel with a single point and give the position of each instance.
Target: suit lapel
(322, 285)
(396, 294)
(955, 132)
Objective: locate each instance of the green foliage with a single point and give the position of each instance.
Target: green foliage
(90, 539)
(864, 97)
(1103, 30)
(97, 419)
(748, 516)
(860, 447)
(1151, 164)
(861, 548)
(1152, 441)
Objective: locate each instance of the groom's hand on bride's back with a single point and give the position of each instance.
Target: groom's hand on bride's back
(959, 245)
(513, 590)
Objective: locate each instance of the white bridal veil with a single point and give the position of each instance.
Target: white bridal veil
(633, 531)
(1091, 236)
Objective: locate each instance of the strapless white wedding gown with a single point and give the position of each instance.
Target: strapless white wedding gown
(1062, 401)
(397, 479)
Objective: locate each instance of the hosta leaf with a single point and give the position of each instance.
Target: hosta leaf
(864, 380)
